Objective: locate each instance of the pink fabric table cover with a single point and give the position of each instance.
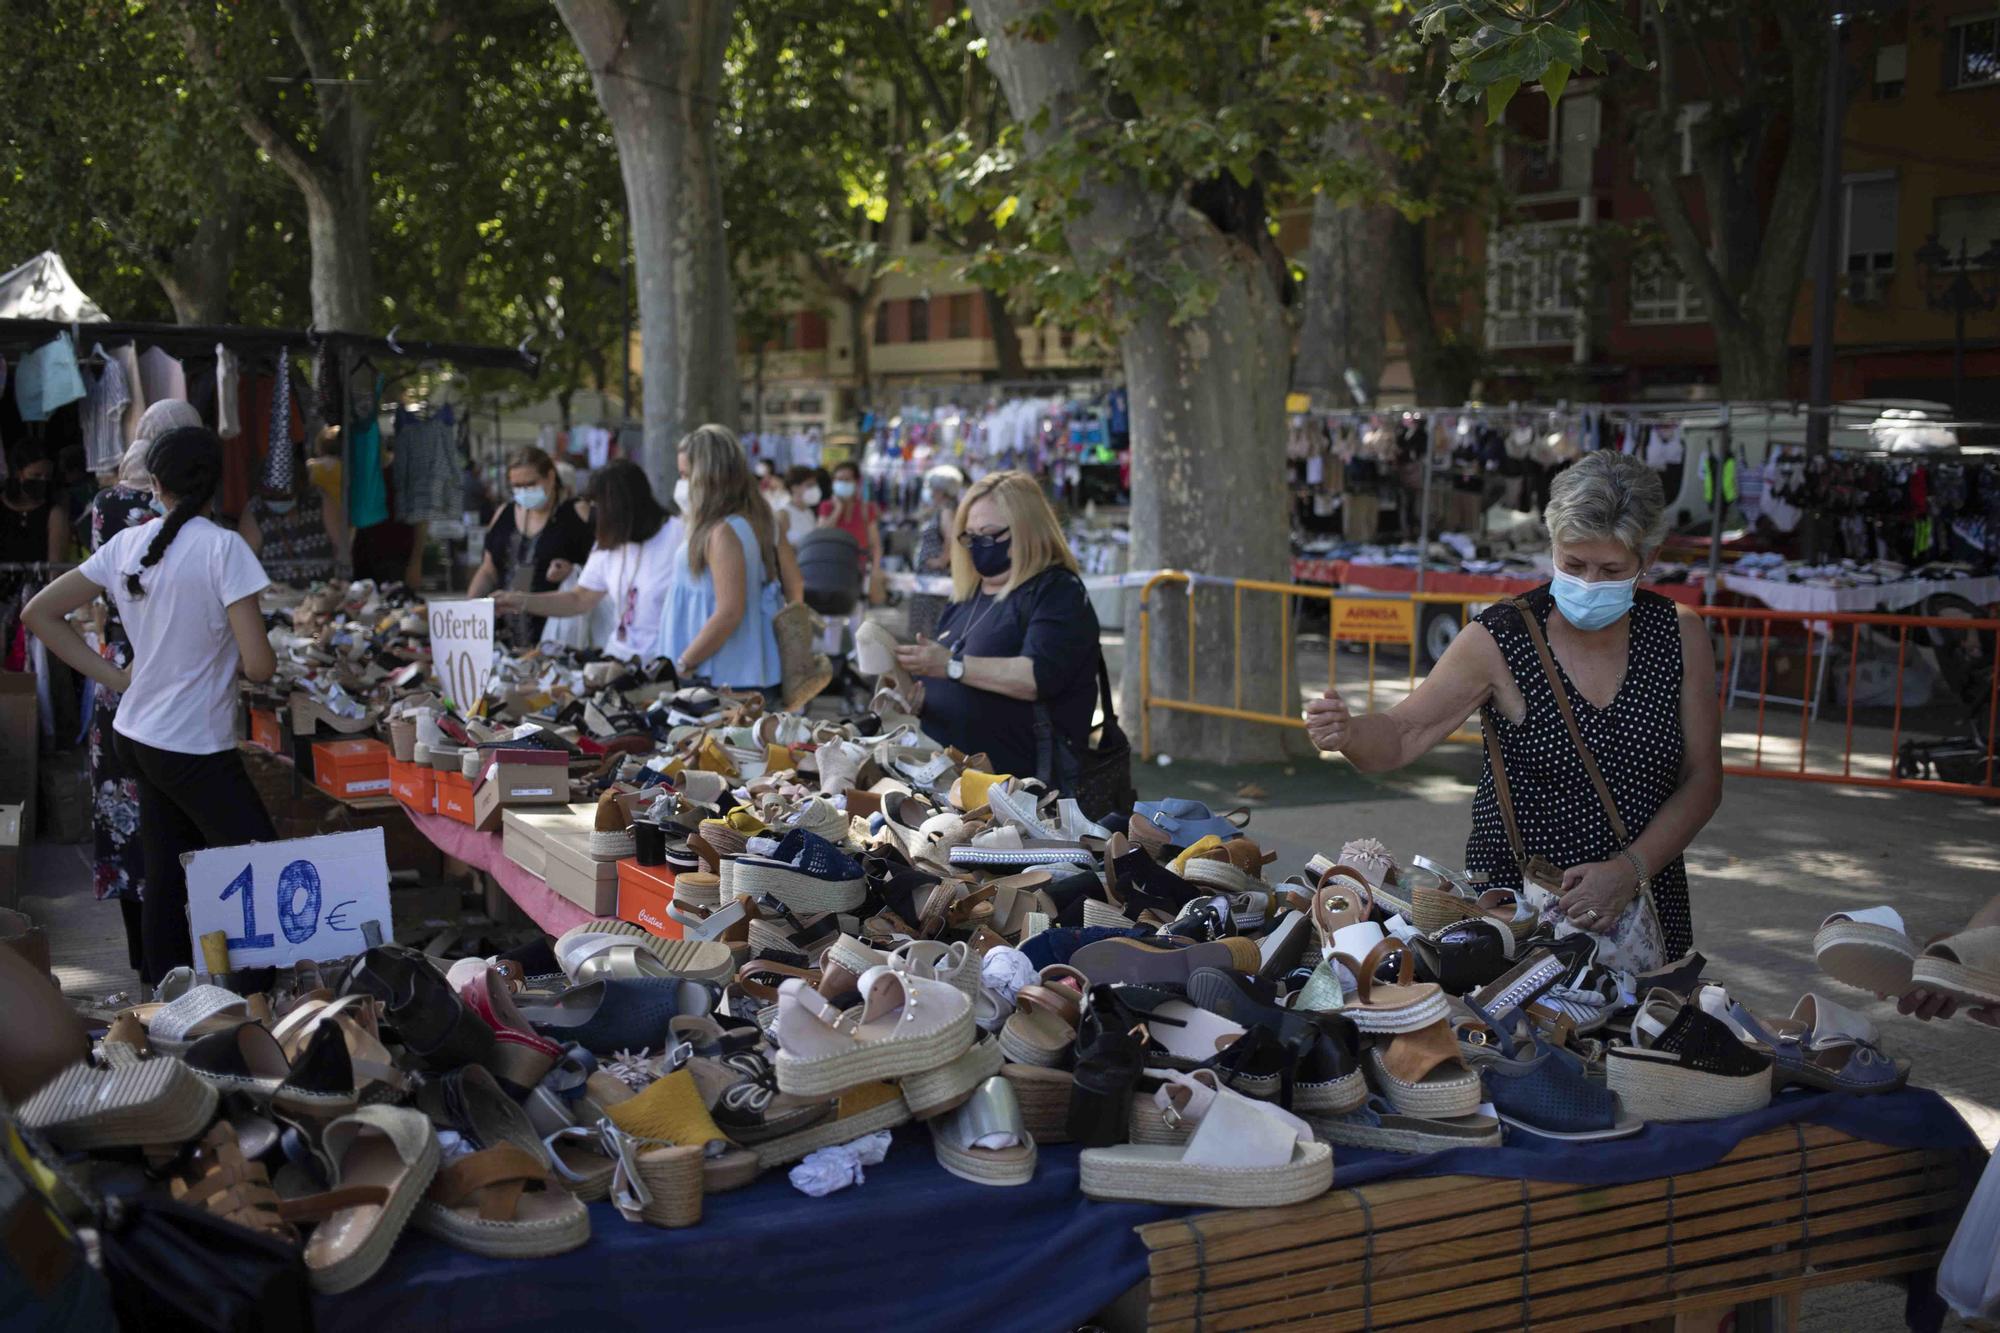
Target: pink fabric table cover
(549, 909)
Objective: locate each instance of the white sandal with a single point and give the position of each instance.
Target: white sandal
(1243, 1153)
(905, 1025)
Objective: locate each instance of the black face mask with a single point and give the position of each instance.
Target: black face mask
(991, 556)
(32, 489)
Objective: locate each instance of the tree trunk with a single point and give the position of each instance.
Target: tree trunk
(197, 281)
(1342, 325)
(657, 66)
(1207, 400)
(1437, 378)
(1208, 496)
(1006, 336)
(343, 272)
(862, 313)
(1749, 262)
(757, 388)
(1345, 301)
(1753, 363)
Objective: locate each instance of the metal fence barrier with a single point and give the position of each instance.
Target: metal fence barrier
(1755, 648)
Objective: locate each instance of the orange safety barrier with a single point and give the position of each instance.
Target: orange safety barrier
(1964, 651)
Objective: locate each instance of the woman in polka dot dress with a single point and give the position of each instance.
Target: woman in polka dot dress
(1639, 674)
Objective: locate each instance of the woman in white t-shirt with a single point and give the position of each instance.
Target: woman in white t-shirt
(186, 591)
(631, 564)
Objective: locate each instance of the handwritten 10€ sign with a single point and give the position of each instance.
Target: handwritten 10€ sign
(278, 902)
(462, 648)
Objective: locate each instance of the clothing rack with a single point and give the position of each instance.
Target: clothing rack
(193, 339)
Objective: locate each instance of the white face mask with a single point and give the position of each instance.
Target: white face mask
(810, 496)
(683, 497)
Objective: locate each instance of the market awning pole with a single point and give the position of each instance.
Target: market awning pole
(1424, 517)
(1717, 469)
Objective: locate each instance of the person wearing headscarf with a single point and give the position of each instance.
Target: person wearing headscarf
(942, 486)
(114, 788)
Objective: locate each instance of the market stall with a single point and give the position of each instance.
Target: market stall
(713, 884)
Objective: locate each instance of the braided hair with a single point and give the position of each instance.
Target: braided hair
(186, 462)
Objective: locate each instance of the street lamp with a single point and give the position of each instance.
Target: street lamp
(1953, 288)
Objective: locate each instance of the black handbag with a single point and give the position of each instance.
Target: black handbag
(1099, 777)
(172, 1267)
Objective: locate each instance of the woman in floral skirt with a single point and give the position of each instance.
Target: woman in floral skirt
(121, 872)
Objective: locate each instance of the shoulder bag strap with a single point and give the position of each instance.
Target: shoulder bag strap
(1569, 720)
(1104, 695)
(1504, 796)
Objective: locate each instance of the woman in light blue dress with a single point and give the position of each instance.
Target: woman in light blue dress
(717, 626)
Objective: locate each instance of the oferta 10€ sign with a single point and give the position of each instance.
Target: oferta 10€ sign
(462, 648)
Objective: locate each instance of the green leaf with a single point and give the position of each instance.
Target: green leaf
(1498, 94)
(1005, 212)
(1554, 79)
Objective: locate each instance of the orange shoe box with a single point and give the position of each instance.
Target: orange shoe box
(264, 732)
(643, 895)
(415, 785)
(454, 797)
(351, 768)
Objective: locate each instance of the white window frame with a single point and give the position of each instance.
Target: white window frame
(1955, 54)
(1535, 253)
(1691, 115)
(1892, 66)
(1681, 305)
(1847, 184)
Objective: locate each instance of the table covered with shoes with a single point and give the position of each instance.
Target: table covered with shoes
(886, 1036)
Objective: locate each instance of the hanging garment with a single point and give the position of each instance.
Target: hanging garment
(127, 357)
(161, 376)
(228, 374)
(427, 482)
(48, 378)
(367, 487)
(104, 416)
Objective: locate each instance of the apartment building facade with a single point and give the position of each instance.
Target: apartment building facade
(1920, 156)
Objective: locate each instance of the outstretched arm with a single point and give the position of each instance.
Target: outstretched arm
(1457, 687)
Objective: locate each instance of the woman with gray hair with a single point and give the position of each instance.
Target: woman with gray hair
(1603, 740)
(942, 487)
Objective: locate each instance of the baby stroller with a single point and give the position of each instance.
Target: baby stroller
(830, 567)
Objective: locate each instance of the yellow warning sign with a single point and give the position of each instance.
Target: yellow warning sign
(1374, 620)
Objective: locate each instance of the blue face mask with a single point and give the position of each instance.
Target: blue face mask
(531, 497)
(991, 556)
(155, 505)
(1591, 605)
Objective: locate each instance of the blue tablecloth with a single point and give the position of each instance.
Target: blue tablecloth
(917, 1248)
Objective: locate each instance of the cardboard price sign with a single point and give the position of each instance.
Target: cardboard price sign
(1374, 620)
(278, 902)
(462, 648)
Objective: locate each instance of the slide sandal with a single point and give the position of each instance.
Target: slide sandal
(502, 1202)
(1042, 1028)
(175, 1025)
(383, 1158)
(1966, 965)
(1867, 948)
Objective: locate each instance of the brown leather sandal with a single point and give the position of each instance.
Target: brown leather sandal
(223, 1181)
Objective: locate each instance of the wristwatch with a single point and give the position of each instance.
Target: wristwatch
(955, 669)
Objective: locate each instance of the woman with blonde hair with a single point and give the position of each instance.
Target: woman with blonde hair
(717, 625)
(1019, 637)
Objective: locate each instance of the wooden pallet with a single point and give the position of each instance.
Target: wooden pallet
(1795, 1208)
